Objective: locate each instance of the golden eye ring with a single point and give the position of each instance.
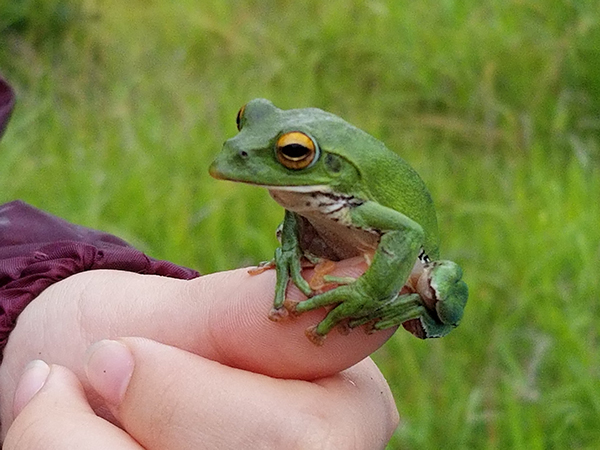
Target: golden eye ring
(238, 118)
(296, 150)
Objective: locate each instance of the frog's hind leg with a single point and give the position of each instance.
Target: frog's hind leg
(407, 310)
(423, 326)
(433, 311)
(398, 310)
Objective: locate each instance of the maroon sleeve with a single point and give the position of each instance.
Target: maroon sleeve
(38, 249)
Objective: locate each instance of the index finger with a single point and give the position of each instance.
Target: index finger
(223, 317)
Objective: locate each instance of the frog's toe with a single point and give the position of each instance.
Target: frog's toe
(291, 307)
(313, 336)
(321, 270)
(278, 314)
(262, 267)
(369, 327)
(344, 327)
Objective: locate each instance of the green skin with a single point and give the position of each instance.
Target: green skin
(354, 197)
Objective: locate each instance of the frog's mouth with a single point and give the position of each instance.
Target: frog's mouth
(216, 171)
(307, 189)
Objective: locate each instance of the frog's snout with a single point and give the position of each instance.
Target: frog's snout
(230, 161)
(214, 172)
(218, 167)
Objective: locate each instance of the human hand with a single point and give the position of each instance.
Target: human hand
(167, 398)
(220, 317)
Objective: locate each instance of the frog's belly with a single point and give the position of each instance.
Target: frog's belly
(333, 241)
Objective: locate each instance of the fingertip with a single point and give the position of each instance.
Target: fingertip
(59, 415)
(32, 380)
(55, 380)
(239, 328)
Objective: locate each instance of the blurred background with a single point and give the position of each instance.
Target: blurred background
(496, 103)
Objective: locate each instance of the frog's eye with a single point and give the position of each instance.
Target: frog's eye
(296, 150)
(238, 118)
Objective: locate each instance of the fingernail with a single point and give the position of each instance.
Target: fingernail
(109, 367)
(33, 379)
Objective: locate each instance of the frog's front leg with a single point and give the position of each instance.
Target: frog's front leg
(288, 257)
(399, 245)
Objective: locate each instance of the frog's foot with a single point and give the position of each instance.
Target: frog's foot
(347, 301)
(321, 277)
(270, 265)
(262, 267)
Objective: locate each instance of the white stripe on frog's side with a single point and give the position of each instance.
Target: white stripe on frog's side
(330, 203)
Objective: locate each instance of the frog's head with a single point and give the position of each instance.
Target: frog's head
(297, 147)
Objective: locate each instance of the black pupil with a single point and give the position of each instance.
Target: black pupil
(295, 151)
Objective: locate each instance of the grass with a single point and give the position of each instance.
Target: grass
(122, 106)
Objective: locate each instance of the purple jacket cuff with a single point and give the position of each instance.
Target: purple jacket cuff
(38, 249)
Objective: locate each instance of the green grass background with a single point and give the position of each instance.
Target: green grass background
(122, 106)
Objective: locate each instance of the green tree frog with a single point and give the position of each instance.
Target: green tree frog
(345, 194)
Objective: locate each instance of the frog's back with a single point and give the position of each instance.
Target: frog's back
(395, 184)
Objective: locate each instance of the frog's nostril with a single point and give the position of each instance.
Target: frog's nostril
(243, 154)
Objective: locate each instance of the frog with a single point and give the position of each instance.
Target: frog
(345, 194)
